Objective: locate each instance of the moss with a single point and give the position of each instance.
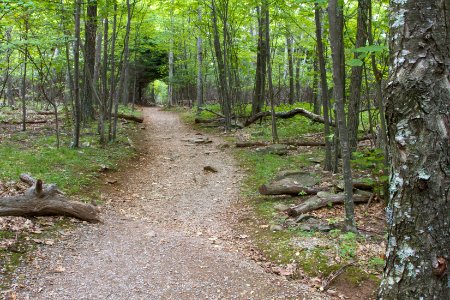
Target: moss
(355, 275)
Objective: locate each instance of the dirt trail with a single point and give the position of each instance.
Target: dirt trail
(165, 235)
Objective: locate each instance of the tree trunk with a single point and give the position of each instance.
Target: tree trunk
(223, 85)
(290, 68)
(336, 18)
(24, 78)
(112, 88)
(89, 59)
(76, 78)
(199, 64)
(123, 72)
(170, 92)
(104, 98)
(324, 86)
(269, 73)
(356, 76)
(418, 114)
(261, 62)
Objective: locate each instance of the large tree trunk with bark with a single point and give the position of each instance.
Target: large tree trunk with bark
(418, 115)
(46, 200)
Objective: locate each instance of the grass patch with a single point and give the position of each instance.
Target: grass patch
(73, 170)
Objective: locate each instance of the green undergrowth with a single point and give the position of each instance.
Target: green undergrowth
(74, 170)
(316, 254)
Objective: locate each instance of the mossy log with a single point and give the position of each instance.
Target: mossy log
(131, 118)
(46, 200)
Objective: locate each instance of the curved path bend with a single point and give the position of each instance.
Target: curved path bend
(165, 234)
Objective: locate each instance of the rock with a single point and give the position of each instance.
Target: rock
(276, 228)
(151, 234)
(313, 224)
(303, 218)
(281, 207)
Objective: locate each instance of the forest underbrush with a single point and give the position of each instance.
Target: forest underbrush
(78, 173)
(312, 247)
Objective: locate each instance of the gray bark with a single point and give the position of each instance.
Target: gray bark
(418, 114)
(335, 15)
(76, 78)
(356, 75)
(324, 86)
(199, 64)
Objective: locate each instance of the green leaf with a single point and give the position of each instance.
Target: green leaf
(355, 62)
(371, 48)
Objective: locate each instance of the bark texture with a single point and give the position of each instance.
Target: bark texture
(418, 116)
(336, 19)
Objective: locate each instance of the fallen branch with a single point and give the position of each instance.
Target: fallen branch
(286, 115)
(210, 111)
(323, 199)
(247, 144)
(46, 200)
(335, 275)
(27, 122)
(131, 118)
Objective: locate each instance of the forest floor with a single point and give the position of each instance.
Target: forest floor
(168, 231)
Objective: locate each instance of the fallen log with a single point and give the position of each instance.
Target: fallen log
(211, 111)
(323, 199)
(247, 144)
(46, 200)
(20, 122)
(291, 183)
(131, 118)
(286, 115)
(206, 121)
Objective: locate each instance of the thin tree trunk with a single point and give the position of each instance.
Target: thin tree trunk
(24, 78)
(170, 92)
(89, 59)
(324, 85)
(199, 64)
(124, 70)
(76, 77)
(269, 75)
(104, 98)
(223, 85)
(356, 76)
(260, 83)
(112, 88)
(290, 68)
(418, 111)
(335, 15)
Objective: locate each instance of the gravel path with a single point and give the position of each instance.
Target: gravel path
(165, 234)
